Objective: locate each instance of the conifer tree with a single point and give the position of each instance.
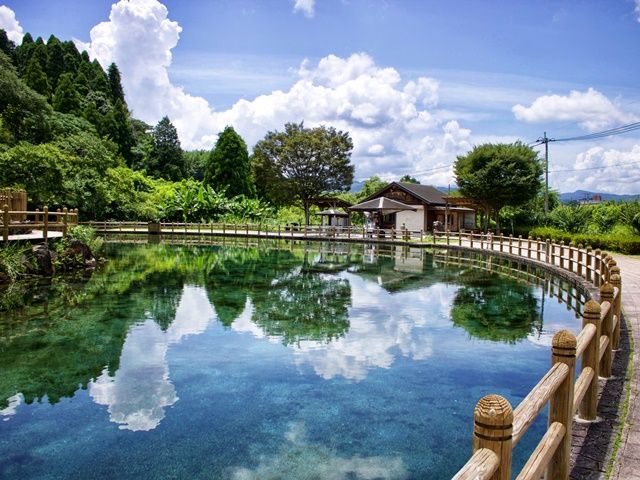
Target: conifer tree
(35, 77)
(228, 165)
(165, 158)
(6, 45)
(115, 83)
(99, 82)
(123, 132)
(66, 99)
(55, 61)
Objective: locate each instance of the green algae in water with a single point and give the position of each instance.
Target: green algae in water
(268, 360)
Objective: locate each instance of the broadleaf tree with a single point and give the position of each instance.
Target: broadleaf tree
(228, 166)
(301, 163)
(497, 175)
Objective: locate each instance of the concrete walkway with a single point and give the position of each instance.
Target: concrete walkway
(627, 465)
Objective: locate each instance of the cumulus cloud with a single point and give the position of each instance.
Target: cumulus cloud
(637, 10)
(593, 110)
(298, 458)
(620, 172)
(304, 6)
(10, 24)
(390, 119)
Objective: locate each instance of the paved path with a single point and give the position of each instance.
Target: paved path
(33, 235)
(628, 462)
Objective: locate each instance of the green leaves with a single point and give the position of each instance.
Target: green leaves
(228, 165)
(301, 163)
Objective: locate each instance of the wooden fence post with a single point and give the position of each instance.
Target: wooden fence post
(493, 429)
(561, 403)
(580, 256)
(65, 221)
(606, 295)
(45, 230)
(510, 243)
(587, 264)
(590, 358)
(616, 281)
(5, 223)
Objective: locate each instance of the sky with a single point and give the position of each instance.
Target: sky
(415, 82)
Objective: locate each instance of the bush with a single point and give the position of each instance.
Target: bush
(623, 243)
(11, 266)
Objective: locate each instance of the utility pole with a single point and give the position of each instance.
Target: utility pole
(545, 140)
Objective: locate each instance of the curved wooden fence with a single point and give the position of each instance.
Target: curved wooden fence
(498, 428)
(15, 222)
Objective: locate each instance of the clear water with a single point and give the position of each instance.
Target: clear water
(270, 360)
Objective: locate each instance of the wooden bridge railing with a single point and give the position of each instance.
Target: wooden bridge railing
(44, 220)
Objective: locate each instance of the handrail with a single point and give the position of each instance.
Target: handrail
(45, 219)
(481, 466)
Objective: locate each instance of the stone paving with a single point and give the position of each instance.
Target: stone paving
(627, 465)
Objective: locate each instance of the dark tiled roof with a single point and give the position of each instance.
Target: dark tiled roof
(426, 193)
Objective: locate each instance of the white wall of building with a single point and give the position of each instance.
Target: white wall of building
(411, 220)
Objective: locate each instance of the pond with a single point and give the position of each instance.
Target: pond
(266, 360)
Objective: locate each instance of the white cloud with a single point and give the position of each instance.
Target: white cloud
(390, 120)
(593, 110)
(637, 10)
(304, 6)
(298, 458)
(621, 172)
(10, 25)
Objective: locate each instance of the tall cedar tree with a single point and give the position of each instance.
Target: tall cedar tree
(228, 165)
(302, 163)
(55, 61)
(115, 84)
(497, 175)
(35, 77)
(6, 45)
(66, 99)
(165, 159)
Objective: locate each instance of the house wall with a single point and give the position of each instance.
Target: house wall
(411, 220)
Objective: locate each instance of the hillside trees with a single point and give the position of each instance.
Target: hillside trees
(497, 175)
(301, 163)
(228, 165)
(165, 159)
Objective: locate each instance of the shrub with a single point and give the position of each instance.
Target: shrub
(11, 266)
(623, 243)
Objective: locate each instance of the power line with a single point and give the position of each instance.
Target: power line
(595, 168)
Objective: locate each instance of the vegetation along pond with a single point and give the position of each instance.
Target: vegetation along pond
(245, 359)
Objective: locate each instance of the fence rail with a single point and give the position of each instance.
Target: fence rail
(498, 428)
(21, 221)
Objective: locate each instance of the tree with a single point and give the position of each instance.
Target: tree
(66, 99)
(166, 160)
(228, 165)
(6, 45)
(496, 175)
(301, 163)
(35, 77)
(55, 61)
(115, 83)
(409, 179)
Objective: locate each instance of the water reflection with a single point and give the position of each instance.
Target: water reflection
(341, 310)
(141, 389)
(299, 458)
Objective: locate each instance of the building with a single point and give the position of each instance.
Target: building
(417, 207)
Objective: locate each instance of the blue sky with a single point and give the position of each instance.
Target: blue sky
(415, 82)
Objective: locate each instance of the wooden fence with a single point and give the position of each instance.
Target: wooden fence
(44, 221)
(498, 428)
(16, 200)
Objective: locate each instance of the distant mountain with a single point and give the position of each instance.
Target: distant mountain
(585, 195)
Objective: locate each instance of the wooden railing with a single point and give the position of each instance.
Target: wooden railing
(45, 220)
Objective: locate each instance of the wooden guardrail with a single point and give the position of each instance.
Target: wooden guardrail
(44, 220)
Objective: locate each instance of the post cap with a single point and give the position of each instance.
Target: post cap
(606, 290)
(564, 340)
(493, 410)
(615, 279)
(592, 307)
